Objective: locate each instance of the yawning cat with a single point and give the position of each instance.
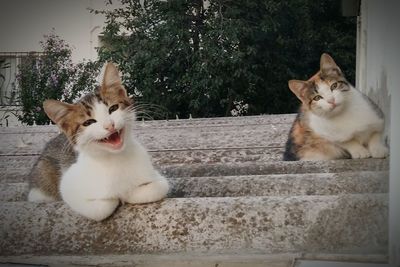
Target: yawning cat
(96, 162)
(335, 120)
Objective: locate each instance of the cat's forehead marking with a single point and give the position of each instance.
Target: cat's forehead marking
(100, 111)
(324, 89)
(321, 85)
(89, 101)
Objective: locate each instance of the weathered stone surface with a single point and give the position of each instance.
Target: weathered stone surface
(325, 224)
(217, 155)
(281, 185)
(255, 185)
(16, 168)
(199, 124)
(278, 167)
(13, 192)
(255, 131)
(232, 196)
(190, 259)
(156, 260)
(162, 139)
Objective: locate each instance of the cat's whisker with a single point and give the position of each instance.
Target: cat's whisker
(149, 110)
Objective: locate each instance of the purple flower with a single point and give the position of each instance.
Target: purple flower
(38, 109)
(53, 78)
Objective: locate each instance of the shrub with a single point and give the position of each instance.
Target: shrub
(201, 57)
(51, 75)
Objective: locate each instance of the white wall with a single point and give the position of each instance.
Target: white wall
(378, 75)
(24, 22)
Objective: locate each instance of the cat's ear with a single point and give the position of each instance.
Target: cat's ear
(299, 88)
(110, 75)
(111, 85)
(56, 110)
(328, 66)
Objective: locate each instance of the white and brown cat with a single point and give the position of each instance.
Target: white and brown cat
(96, 161)
(335, 120)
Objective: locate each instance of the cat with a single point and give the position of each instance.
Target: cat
(335, 121)
(96, 162)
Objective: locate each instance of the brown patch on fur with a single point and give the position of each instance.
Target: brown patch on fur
(115, 95)
(319, 78)
(305, 91)
(68, 117)
(46, 173)
(304, 144)
(112, 91)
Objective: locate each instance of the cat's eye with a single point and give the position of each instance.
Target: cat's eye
(113, 108)
(317, 97)
(334, 86)
(88, 122)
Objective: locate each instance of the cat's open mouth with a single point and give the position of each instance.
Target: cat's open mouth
(114, 140)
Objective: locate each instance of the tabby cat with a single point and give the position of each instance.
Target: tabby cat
(96, 162)
(335, 121)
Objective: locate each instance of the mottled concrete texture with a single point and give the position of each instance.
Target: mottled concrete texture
(258, 131)
(166, 139)
(232, 202)
(181, 124)
(16, 169)
(190, 259)
(277, 167)
(255, 185)
(347, 223)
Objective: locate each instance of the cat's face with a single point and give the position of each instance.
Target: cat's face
(326, 94)
(100, 121)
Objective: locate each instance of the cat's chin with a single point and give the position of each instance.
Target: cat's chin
(114, 142)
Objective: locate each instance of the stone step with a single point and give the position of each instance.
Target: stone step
(351, 224)
(188, 259)
(277, 167)
(231, 195)
(199, 124)
(13, 166)
(254, 185)
(166, 139)
(145, 127)
(16, 168)
(189, 156)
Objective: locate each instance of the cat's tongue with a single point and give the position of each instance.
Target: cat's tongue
(114, 140)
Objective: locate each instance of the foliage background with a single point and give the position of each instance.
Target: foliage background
(52, 75)
(201, 57)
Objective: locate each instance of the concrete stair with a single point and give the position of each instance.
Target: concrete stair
(233, 202)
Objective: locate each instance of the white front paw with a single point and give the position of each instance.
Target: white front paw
(379, 151)
(148, 192)
(359, 152)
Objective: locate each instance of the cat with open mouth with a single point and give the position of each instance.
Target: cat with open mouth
(96, 162)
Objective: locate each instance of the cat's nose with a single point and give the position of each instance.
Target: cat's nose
(109, 126)
(332, 102)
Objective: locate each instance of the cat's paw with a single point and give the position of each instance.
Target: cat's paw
(379, 151)
(359, 152)
(148, 192)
